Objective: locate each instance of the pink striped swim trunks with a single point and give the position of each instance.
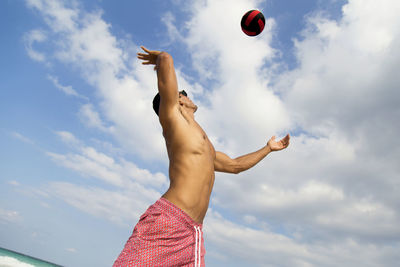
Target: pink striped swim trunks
(164, 236)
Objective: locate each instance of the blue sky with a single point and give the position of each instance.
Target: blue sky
(82, 155)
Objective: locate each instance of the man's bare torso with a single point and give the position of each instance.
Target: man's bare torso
(191, 168)
(192, 157)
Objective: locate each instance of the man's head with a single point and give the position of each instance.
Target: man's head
(184, 101)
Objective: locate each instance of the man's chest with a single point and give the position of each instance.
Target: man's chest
(189, 139)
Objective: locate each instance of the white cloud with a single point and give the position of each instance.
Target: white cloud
(125, 90)
(91, 118)
(68, 138)
(62, 19)
(9, 216)
(237, 94)
(251, 245)
(68, 90)
(123, 207)
(22, 138)
(346, 84)
(14, 183)
(338, 179)
(35, 36)
(235, 245)
(71, 250)
(89, 162)
(173, 33)
(133, 188)
(345, 78)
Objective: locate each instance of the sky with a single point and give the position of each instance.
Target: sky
(82, 154)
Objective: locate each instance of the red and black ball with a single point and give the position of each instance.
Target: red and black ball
(253, 23)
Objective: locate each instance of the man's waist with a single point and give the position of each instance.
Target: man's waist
(194, 205)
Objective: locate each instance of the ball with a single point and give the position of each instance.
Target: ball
(253, 23)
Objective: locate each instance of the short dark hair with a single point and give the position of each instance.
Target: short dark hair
(156, 101)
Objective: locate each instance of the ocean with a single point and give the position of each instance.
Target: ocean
(10, 258)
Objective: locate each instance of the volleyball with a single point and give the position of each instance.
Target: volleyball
(253, 23)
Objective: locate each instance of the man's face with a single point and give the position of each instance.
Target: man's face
(186, 102)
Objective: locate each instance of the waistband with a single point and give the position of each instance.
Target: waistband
(174, 211)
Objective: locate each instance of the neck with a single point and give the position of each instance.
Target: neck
(189, 112)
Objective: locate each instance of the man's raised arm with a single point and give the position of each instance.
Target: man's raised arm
(167, 84)
(223, 163)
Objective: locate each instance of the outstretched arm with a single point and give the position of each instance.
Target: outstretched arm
(167, 84)
(223, 163)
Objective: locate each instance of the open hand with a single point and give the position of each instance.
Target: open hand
(278, 145)
(150, 58)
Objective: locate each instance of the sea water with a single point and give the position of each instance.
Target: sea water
(10, 258)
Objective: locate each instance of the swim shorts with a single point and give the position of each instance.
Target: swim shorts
(164, 236)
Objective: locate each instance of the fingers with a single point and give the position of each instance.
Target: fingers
(145, 49)
(285, 140)
(281, 144)
(143, 58)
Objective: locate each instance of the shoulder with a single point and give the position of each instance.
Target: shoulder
(173, 121)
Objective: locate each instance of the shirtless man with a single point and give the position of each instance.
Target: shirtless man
(169, 233)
